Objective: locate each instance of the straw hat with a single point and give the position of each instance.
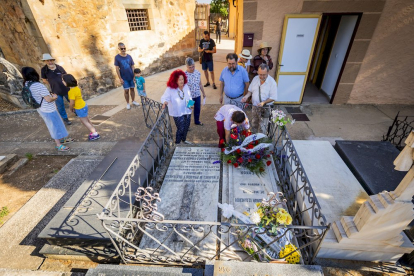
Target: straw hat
(264, 45)
(47, 57)
(246, 54)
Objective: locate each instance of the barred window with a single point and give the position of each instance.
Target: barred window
(138, 19)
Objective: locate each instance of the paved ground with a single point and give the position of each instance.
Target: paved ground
(23, 133)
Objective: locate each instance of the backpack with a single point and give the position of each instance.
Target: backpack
(28, 97)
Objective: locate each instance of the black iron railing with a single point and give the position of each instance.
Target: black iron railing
(399, 130)
(141, 235)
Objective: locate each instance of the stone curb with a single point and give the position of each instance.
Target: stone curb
(17, 112)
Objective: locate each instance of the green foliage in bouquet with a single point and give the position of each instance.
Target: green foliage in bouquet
(255, 162)
(280, 119)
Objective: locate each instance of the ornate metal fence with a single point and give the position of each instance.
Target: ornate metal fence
(141, 235)
(399, 130)
(152, 110)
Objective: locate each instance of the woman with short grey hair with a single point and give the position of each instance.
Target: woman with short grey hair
(194, 83)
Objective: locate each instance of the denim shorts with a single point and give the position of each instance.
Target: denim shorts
(142, 93)
(83, 112)
(128, 84)
(207, 64)
(54, 124)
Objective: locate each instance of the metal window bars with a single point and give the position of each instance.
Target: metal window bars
(138, 19)
(140, 235)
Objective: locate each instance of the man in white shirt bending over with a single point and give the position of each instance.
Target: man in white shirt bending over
(263, 90)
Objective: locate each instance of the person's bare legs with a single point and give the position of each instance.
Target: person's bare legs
(86, 122)
(126, 95)
(132, 93)
(57, 141)
(206, 74)
(212, 76)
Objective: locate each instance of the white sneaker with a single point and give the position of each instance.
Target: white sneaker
(135, 103)
(188, 143)
(128, 106)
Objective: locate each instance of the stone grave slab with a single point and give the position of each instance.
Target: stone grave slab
(337, 190)
(76, 223)
(243, 189)
(190, 192)
(372, 164)
(223, 268)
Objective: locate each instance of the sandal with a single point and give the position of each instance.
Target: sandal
(66, 140)
(62, 148)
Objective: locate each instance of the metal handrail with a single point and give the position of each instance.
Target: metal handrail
(401, 127)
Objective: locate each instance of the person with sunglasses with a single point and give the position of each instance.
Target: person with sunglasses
(125, 70)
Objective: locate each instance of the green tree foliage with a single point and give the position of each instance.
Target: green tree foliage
(220, 6)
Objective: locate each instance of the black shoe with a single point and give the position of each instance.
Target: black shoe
(214, 86)
(67, 121)
(207, 84)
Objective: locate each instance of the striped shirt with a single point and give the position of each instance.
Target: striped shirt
(38, 92)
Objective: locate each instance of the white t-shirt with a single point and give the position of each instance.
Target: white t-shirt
(38, 92)
(177, 106)
(268, 89)
(225, 113)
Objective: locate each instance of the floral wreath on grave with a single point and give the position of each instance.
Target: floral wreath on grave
(280, 119)
(251, 151)
(258, 241)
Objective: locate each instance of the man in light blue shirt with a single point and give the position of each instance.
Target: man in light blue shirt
(234, 81)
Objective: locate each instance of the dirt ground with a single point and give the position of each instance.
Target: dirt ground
(6, 106)
(17, 189)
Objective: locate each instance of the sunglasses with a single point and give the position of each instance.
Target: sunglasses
(122, 48)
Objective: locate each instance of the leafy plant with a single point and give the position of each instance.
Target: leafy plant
(220, 6)
(29, 156)
(4, 211)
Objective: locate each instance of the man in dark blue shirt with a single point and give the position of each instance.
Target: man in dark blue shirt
(125, 70)
(52, 74)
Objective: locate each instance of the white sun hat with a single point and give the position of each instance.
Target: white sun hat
(47, 57)
(246, 54)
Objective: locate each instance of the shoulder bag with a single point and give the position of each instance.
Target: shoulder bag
(265, 113)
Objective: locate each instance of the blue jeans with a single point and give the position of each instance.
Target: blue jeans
(60, 104)
(197, 109)
(182, 123)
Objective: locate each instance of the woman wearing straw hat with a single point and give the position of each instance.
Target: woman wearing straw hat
(262, 57)
(244, 60)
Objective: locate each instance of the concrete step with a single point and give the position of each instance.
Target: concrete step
(234, 268)
(20, 163)
(7, 161)
(125, 270)
(24, 272)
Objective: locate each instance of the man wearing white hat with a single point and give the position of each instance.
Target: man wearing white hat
(244, 59)
(52, 74)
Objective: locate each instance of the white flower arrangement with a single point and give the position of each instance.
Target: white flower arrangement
(255, 218)
(280, 119)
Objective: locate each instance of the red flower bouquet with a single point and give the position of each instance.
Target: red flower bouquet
(251, 151)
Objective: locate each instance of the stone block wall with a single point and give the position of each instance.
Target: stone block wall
(83, 37)
(378, 69)
(17, 35)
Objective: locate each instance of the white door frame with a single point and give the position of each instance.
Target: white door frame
(282, 44)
